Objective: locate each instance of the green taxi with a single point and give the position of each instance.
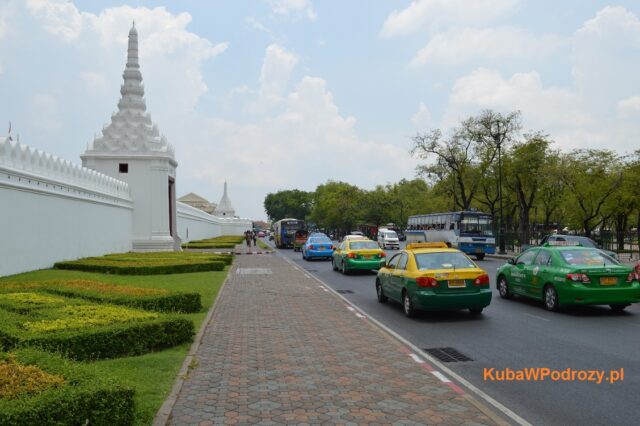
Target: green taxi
(569, 274)
(358, 253)
(432, 276)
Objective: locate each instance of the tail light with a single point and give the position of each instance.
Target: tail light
(481, 280)
(633, 276)
(333, 247)
(577, 278)
(382, 254)
(351, 255)
(311, 247)
(426, 282)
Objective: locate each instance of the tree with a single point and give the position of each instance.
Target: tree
(337, 205)
(592, 177)
(524, 166)
(291, 203)
(465, 158)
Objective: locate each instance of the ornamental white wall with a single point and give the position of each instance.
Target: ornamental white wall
(52, 210)
(194, 224)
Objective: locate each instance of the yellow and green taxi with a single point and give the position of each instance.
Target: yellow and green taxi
(358, 253)
(434, 277)
(568, 274)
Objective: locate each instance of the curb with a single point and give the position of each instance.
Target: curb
(162, 416)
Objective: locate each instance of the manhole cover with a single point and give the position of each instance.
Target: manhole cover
(345, 291)
(447, 354)
(253, 271)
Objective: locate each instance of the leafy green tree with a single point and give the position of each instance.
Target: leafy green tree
(290, 203)
(337, 205)
(592, 177)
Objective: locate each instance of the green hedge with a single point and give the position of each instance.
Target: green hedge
(85, 398)
(225, 241)
(94, 341)
(149, 263)
(152, 299)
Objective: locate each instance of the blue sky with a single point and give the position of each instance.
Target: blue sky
(281, 94)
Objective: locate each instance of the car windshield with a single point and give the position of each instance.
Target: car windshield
(584, 241)
(445, 260)
(357, 245)
(587, 257)
(319, 241)
(390, 235)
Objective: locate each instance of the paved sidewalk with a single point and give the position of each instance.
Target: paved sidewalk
(281, 350)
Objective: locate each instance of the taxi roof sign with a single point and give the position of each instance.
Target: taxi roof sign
(563, 244)
(440, 244)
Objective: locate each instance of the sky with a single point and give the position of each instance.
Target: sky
(270, 95)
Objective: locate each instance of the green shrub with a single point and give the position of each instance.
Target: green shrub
(84, 398)
(88, 331)
(149, 263)
(225, 241)
(152, 299)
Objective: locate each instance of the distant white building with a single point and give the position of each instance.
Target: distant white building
(224, 208)
(200, 203)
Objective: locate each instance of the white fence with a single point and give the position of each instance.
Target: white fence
(52, 210)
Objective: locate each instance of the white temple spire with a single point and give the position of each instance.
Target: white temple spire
(224, 207)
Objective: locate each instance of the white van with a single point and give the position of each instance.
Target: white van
(388, 239)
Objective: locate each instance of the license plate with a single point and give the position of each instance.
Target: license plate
(456, 283)
(608, 281)
(321, 248)
(367, 257)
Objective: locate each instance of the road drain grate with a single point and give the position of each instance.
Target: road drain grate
(345, 291)
(447, 354)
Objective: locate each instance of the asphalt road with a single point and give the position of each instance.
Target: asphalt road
(519, 334)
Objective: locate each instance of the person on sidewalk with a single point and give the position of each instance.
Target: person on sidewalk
(253, 236)
(247, 238)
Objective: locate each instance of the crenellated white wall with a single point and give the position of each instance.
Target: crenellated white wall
(201, 225)
(52, 210)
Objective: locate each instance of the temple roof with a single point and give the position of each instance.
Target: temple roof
(131, 129)
(224, 207)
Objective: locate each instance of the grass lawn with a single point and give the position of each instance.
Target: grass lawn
(263, 245)
(152, 375)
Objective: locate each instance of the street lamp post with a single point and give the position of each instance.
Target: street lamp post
(498, 135)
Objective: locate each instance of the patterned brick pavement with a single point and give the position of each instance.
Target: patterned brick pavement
(280, 350)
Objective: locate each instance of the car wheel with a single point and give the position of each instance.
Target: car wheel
(407, 306)
(475, 311)
(381, 297)
(344, 268)
(618, 308)
(551, 298)
(503, 288)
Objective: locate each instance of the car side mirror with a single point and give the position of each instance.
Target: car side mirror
(512, 261)
(388, 265)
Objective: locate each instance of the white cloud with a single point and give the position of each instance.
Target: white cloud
(274, 78)
(629, 107)
(255, 24)
(293, 8)
(460, 46)
(422, 117)
(60, 17)
(44, 112)
(432, 15)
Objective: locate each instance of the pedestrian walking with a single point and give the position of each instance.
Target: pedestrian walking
(253, 235)
(247, 238)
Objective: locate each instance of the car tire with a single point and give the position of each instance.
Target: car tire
(503, 288)
(381, 297)
(475, 311)
(407, 306)
(344, 268)
(551, 302)
(618, 308)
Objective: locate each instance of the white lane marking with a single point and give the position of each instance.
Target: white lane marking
(537, 317)
(307, 276)
(360, 315)
(351, 308)
(441, 376)
(325, 290)
(416, 358)
(464, 382)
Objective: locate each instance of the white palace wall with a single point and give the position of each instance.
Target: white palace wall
(194, 224)
(53, 210)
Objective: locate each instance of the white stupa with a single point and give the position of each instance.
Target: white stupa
(131, 149)
(224, 208)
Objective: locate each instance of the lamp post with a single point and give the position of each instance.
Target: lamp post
(498, 133)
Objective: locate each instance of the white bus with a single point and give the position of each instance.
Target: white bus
(468, 231)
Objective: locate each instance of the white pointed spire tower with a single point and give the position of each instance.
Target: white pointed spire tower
(131, 149)
(224, 208)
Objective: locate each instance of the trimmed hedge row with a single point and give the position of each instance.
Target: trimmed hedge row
(103, 339)
(225, 241)
(149, 263)
(151, 299)
(85, 397)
